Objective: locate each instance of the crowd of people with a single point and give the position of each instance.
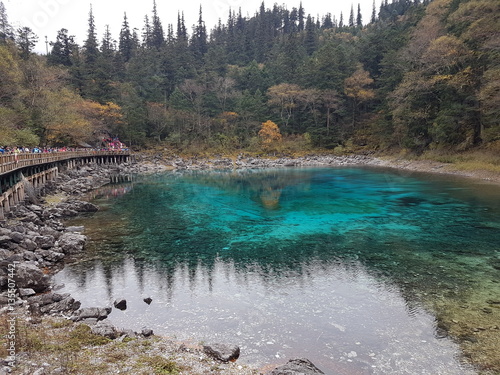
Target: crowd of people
(107, 144)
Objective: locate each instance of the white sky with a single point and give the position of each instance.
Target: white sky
(46, 17)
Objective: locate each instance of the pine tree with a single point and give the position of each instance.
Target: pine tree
(6, 31)
(125, 43)
(301, 17)
(157, 35)
(89, 70)
(63, 49)
(90, 46)
(374, 13)
(341, 21)
(310, 37)
(26, 40)
(146, 33)
(199, 39)
(351, 17)
(327, 22)
(359, 19)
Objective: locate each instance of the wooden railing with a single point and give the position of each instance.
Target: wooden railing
(12, 162)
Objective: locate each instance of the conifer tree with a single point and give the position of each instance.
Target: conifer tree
(359, 19)
(90, 46)
(157, 35)
(125, 43)
(301, 17)
(351, 17)
(374, 13)
(310, 37)
(146, 33)
(89, 70)
(63, 49)
(199, 39)
(26, 40)
(6, 31)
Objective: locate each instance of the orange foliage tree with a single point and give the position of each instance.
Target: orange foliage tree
(269, 133)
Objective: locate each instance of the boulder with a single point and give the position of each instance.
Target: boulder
(99, 313)
(30, 276)
(17, 237)
(120, 304)
(46, 299)
(221, 352)
(300, 366)
(4, 240)
(147, 332)
(68, 304)
(26, 292)
(71, 242)
(45, 242)
(105, 329)
(29, 244)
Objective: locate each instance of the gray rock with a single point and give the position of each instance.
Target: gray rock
(72, 243)
(45, 242)
(120, 304)
(29, 244)
(147, 332)
(68, 304)
(221, 352)
(46, 299)
(48, 231)
(29, 255)
(50, 255)
(99, 313)
(26, 292)
(30, 276)
(105, 329)
(4, 254)
(128, 333)
(148, 300)
(17, 237)
(300, 366)
(5, 239)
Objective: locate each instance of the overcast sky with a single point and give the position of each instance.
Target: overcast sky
(46, 17)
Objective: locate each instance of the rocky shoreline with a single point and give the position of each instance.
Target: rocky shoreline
(34, 243)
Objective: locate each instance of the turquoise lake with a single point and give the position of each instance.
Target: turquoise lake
(362, 271)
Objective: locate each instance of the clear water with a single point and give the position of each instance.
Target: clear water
(356, 269)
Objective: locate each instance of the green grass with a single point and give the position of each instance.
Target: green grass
(161, 365)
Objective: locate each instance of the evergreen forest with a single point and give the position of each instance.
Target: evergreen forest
(418, 75)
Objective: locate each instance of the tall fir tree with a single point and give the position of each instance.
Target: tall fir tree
(157, 34)
(91, 46)
(374, 13)
(301, 16)
(125, 43)
(6, 31)
(199, 39)
(63, 49)
(26, 40)
(359, 18)
(89, 71)
(351, 17)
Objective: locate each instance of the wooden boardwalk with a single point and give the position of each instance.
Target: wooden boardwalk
(17, 170)
(12, 162)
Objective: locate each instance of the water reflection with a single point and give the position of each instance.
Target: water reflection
(340, 266)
